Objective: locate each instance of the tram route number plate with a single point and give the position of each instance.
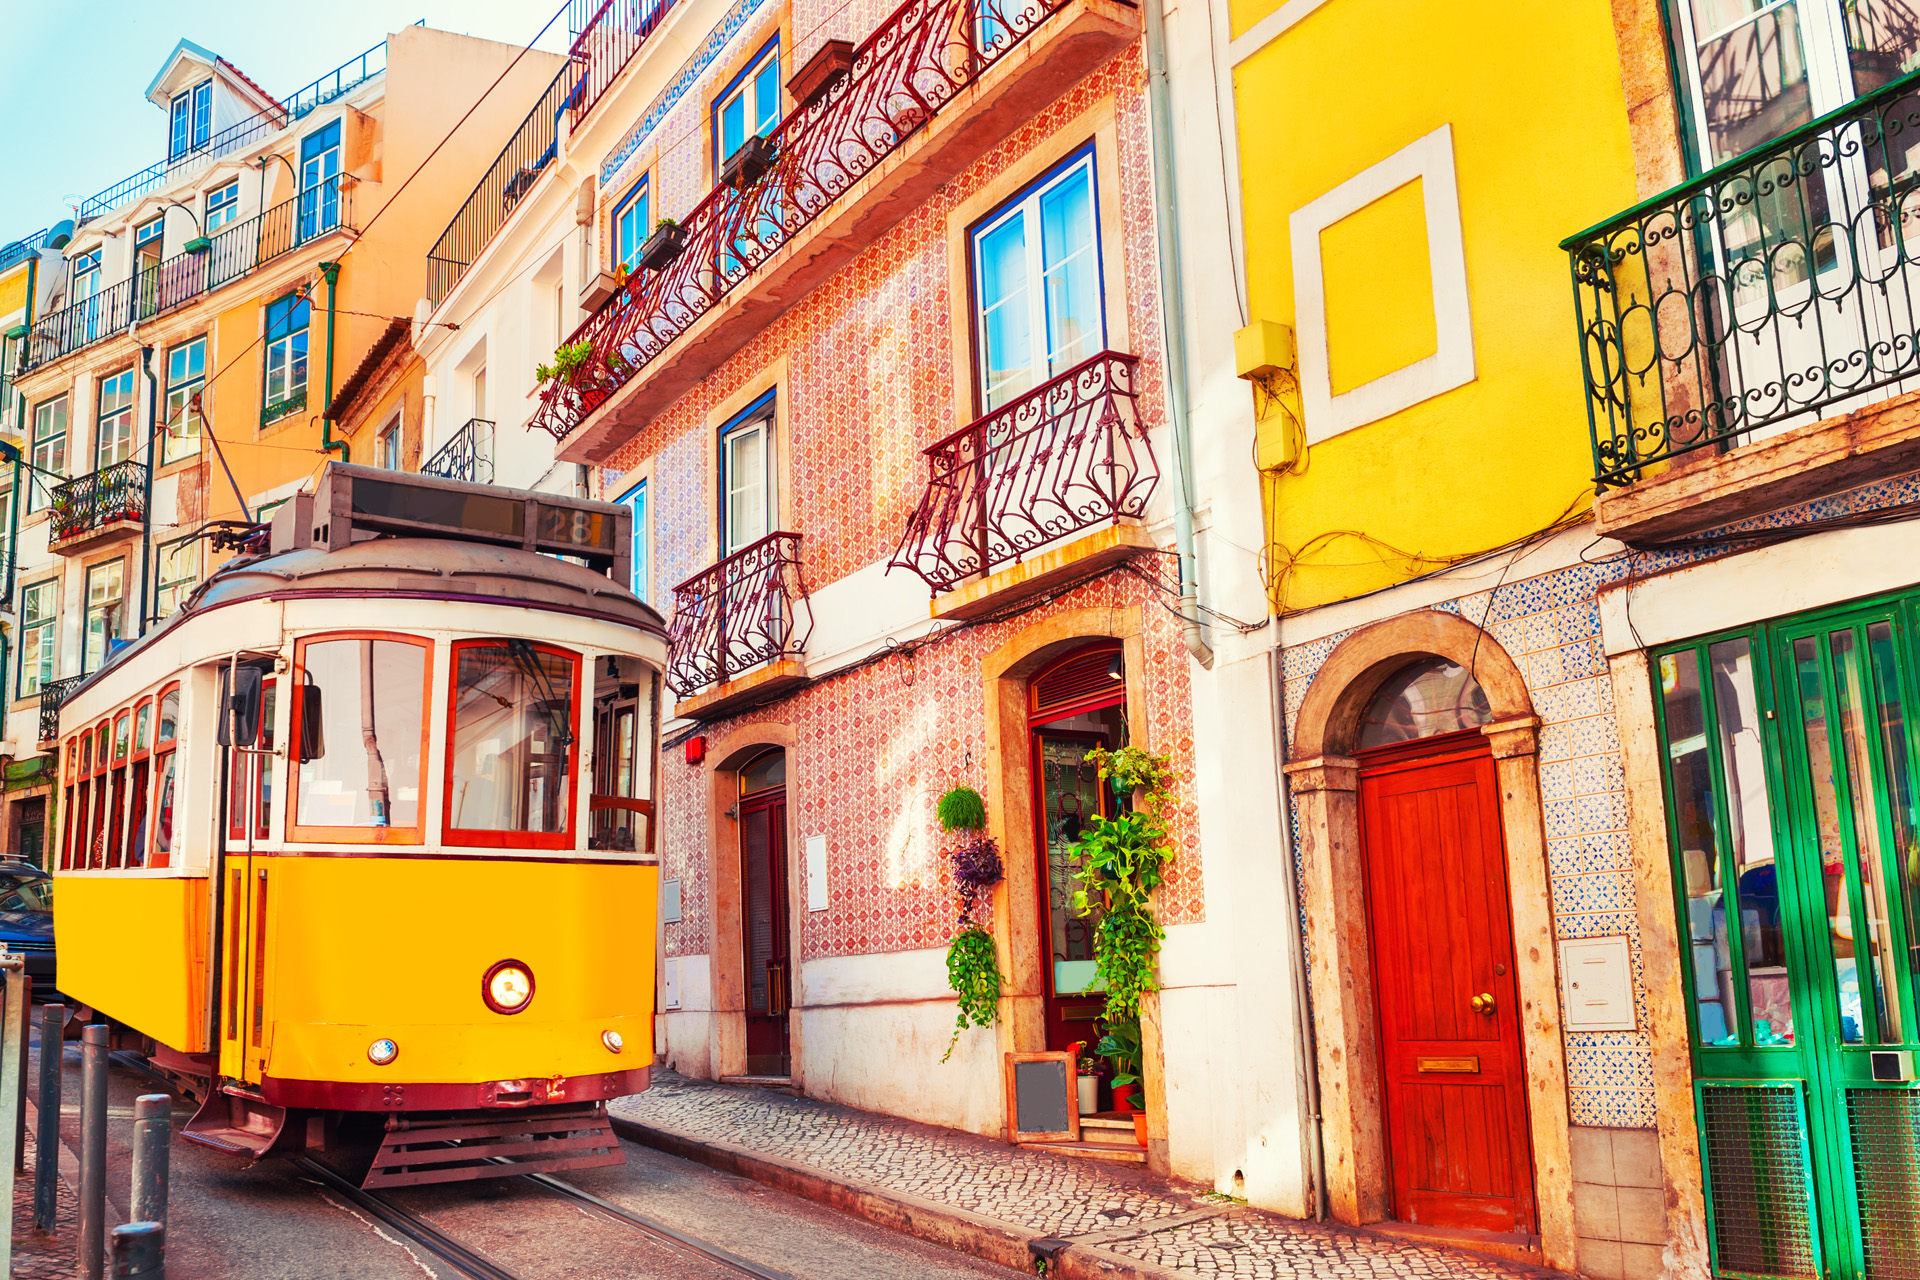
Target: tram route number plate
(574, 527)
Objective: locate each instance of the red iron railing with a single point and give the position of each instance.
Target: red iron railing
(742, 612)
(907, 70)
(1069, 455)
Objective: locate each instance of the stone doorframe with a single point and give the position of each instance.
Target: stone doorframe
(1010, 820)
(1325, 783)
(725, 950)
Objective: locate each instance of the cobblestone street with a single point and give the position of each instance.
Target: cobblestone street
(1116, 1209)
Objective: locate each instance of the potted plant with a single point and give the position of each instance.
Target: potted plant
(973, 966)
(749, 164)
(1086, 1080)
(1121, 1046)
(668, 241)
(568, 360)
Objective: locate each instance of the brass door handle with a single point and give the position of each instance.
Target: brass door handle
(1482, 1003)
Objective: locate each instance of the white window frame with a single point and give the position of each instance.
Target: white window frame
(174, 443)
(387, 445)
(47, 628)
(220, 212)
(635, 500)
(757, 118)
(118, 420)
(170, 591)
(757, 421)
(1823, 45)
(89, 660)
(48, 450)
(630, 229)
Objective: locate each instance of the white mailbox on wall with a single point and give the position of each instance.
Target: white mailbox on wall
(1596, 980)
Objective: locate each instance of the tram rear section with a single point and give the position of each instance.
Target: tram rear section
(362, 838)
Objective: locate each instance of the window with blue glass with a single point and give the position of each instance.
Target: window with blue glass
(190, 120)
(636, 500)
(320, 181)
(286, 373)
(1037, 286)
(223, 206)
(749, 106)
(630, 226)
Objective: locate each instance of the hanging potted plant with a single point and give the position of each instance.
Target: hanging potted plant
(749, 163)
(668, 241)
(973, 964)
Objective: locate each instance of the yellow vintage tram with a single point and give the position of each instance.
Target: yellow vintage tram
(366, 829)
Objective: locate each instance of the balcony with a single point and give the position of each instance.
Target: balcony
(52, 694)
(467, 456)
(1034, 476)
(937, 84)
(1751, 339)
(95, 507)
(233, 251)
(737, 632)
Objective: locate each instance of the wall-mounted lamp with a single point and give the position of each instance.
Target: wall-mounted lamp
(1115, 671)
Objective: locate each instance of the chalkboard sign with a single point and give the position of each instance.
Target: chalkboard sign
(1042, 1102)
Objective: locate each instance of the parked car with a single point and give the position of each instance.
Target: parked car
(26, 919)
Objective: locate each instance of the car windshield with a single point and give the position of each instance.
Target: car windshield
(26, 893)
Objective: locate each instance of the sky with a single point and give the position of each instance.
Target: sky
(72, 76)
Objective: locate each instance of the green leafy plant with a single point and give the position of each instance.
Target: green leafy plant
(1121, 1046)
(664, 223)
(1134, 769)
(973, 971)
(962, 809)
(568, 360)
(1123, 859)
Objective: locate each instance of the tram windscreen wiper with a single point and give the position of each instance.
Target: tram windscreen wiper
(555, 707)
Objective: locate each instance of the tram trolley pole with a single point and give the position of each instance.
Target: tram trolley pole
(46, 1145)
(152, 1136)
(13, 1046)
(93, 1150)
(140, 1249)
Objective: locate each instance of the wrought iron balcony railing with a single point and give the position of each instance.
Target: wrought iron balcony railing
(912, 65)
(742, 612)
(91, 502)
(468, 455)
(52, 694)
(22, 249)
(1069, 455)
(606, 43)
(233, 252)
(243, 133)
(1780, 287)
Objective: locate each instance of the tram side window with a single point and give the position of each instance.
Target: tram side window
(512, 743)
(360, 732)
(97, 846)
(166, 743)
(139, 780)
(67, 804)
(117, 806)
(250, 775)
(622, 804)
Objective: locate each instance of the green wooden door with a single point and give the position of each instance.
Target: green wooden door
(1790, 786)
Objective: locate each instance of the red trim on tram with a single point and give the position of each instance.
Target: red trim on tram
(336, 1095)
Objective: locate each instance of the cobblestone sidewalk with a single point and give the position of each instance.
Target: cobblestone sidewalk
(1120, 1208)
(35, 1256)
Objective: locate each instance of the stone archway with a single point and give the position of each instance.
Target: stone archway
(725, 757)
(1325, 782)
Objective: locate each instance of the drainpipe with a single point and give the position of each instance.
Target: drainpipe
(1302, 994)
(331, 270)
(146, 504)
(1172, 329)
(13, 542)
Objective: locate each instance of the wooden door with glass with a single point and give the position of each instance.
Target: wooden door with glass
(764, 901)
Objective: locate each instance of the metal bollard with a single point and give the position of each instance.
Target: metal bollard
(140, 1249)
(152, 1139)
(46, 1151)
(20, 1111)
(93, 1151)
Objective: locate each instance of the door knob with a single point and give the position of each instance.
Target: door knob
(1482, 1003)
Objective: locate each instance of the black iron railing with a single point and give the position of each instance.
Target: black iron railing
(348, 75)
(87, 503)
(1782, 286)
(605, 44)
(527, 154)
(52, 694)
(1068, 455)
(232, 252)
(742, 612)
(468, 455)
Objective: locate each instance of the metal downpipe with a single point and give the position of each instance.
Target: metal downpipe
(1172, 330)
(331, 270)
(1302, 993)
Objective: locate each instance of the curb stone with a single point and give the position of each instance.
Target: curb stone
(988, 1239)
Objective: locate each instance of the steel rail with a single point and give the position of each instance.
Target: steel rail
(407, 1223)
(658, 1230)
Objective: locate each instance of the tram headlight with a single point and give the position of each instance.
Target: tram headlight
(381, 1052)
(508, 987)
(612, 1040)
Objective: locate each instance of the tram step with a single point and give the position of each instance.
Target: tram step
(236, 1123)
(464, 1146)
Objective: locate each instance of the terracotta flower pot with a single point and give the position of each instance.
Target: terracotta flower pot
(1123, 1097)
(1140, 1129)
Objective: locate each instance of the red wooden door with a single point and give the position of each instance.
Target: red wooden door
(763, 881)
(1456, 1106)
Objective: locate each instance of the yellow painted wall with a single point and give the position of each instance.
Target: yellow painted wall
(1533, 95)
(135, 947)
(13, 290)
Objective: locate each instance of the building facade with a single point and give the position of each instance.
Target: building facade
(1602, 803)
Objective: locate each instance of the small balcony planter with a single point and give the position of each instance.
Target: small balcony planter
(668, 241)
(823, 70)
(749, 164)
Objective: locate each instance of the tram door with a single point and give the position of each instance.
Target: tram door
(246, 890)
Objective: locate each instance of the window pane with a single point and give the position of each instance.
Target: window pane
(1896, 743)
(170, 716)
(1753, 74)
(766, 96)
(1690, 774)
(1833, 858)
(1872, 936)
(163, 810)
(1427, 698)
(746, 459)
(1071, 261)
(363, 768)
(1008, 344)
(512, 734)
(1743, 779)
(733, 125)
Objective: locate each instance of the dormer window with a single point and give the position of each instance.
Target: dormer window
(190, 120)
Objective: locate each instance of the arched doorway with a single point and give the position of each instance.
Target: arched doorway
(1452, 1071)
(1075, 703)
(766, 960)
